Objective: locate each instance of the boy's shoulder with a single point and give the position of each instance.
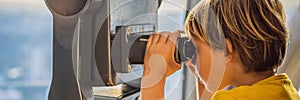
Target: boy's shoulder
(278, 87)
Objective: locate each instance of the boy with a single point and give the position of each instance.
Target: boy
(254, 46)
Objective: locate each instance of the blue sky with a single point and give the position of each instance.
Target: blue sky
(25, 35)
(25, 49)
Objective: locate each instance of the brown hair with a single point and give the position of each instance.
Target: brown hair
(256, 29)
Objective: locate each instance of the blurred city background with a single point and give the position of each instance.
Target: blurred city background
(25, 49)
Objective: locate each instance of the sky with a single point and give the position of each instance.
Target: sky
(25, 49)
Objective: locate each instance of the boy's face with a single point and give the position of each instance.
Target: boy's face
(202, 61)
(206, 58)
(203, 53)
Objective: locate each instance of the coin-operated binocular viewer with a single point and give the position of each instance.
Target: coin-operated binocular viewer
(99, 46)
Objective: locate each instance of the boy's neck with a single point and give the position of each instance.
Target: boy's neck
(248, 79)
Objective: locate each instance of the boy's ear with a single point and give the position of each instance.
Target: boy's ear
(229, 51)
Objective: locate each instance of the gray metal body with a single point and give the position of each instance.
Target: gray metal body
(65, 16)
(82, 45)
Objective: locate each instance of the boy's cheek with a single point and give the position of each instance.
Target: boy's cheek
(205, 64)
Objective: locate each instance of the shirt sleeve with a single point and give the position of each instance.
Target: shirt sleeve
(223, 96)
